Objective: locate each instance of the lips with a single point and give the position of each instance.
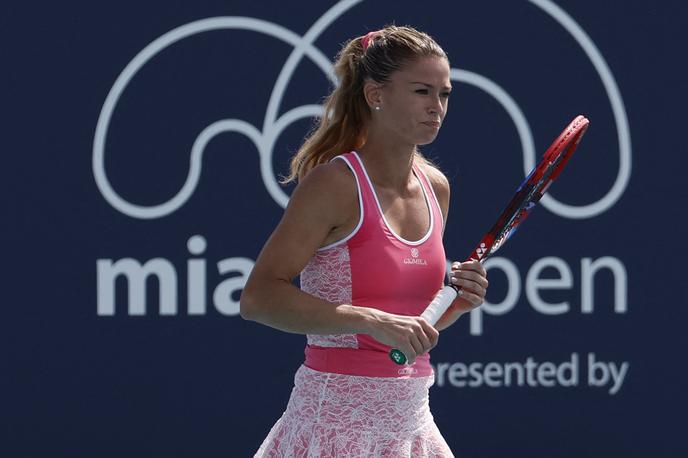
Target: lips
(435, 124)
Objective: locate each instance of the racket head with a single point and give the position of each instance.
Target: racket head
(532, 188)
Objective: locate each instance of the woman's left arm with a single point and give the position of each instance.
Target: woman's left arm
(469, 276)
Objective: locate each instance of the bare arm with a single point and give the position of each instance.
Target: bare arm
(316, 207)
(319, 204)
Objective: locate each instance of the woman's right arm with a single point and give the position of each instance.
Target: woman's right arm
(325, 199)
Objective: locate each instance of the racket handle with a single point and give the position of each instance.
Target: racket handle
(440, 304)
(432, 314)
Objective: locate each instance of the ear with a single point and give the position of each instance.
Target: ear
(372, 92)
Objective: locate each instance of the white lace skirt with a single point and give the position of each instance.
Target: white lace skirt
(334, 415)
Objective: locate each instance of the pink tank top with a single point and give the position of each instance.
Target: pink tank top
(375, 267)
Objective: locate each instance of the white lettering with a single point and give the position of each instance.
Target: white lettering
(546, 373)
(440, 370)
(601, 373)
(572, 368)
(618, 376)
(514, 367)
(493, 374)
(534, 374)
(534, 283)
(136, 276)
(196, 282)
(588, 270)
(226, 295)
(223, 298)
(528, 373)
(457, 371)
(508, 303)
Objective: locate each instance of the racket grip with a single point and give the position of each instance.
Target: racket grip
(432, 314)
(440, 304)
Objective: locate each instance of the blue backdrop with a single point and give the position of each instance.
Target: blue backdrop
(142, 146)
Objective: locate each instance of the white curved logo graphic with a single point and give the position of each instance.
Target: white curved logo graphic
(272, 126)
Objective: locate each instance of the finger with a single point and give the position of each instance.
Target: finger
(473, 270)
(473, 299)
(430, 331)
(468, 278)
(424, 340)
(409, 352)
(475, 266)
(470, 286)
(472, 276)
(472, 265)
(417, 345)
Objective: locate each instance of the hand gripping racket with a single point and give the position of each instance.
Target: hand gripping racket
(527, 196)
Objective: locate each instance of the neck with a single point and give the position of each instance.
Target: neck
(388, 163)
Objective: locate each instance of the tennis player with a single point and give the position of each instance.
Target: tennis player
(364, 230)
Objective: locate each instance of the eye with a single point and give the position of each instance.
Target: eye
(445, 95)
(421, 91)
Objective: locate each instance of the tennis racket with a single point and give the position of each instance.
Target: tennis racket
(527, 196)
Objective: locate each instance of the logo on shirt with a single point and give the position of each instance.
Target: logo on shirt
(414, 259)
(408, 370)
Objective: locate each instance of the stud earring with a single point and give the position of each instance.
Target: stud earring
(377, 108)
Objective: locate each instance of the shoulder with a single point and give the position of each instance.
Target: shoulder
(334, 178)
(439, 183)
(328, 188)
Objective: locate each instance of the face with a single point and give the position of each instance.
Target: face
(413, 103)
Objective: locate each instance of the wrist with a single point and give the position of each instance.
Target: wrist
(359, 320)
(450, 317)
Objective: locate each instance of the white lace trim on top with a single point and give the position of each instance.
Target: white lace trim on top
(377, 201)
(432, 190)
(360, 208)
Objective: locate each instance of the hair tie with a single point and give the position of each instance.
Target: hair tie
(365, 41)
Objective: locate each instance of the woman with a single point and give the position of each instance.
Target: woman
(364, 228)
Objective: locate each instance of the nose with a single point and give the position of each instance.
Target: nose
(436, 108)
